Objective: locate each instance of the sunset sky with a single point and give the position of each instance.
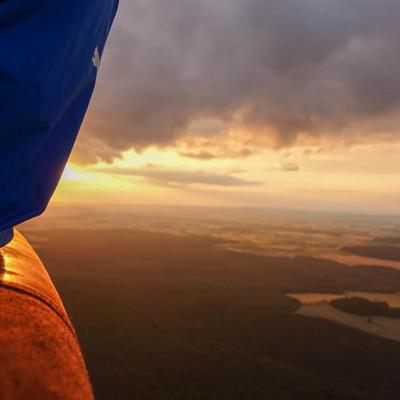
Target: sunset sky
(245, 103)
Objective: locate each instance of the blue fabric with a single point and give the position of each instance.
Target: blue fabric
(6, 236)
(47, 76)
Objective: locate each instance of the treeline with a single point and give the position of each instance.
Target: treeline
(383, 252)
(365, 308)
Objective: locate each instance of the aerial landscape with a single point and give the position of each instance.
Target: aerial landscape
(200, 200)
(205, 303)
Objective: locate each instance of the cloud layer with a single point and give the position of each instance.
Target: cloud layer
(175, 177)
(282, 71)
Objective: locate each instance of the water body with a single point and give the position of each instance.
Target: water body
(351, 260)
(388, 328)
(317, 305)
(392, 299)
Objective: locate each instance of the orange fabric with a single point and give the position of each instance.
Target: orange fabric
(40, 357)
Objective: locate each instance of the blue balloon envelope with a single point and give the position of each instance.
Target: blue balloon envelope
(50, 54)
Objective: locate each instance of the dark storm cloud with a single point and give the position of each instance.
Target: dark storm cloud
(325, 67)
(180, 177)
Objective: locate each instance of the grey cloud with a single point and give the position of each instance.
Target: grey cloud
(199, 155)
(289, 167)
(324, 67)
(180, 177)
(223, 152)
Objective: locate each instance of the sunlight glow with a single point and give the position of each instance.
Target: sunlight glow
(356, 178)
